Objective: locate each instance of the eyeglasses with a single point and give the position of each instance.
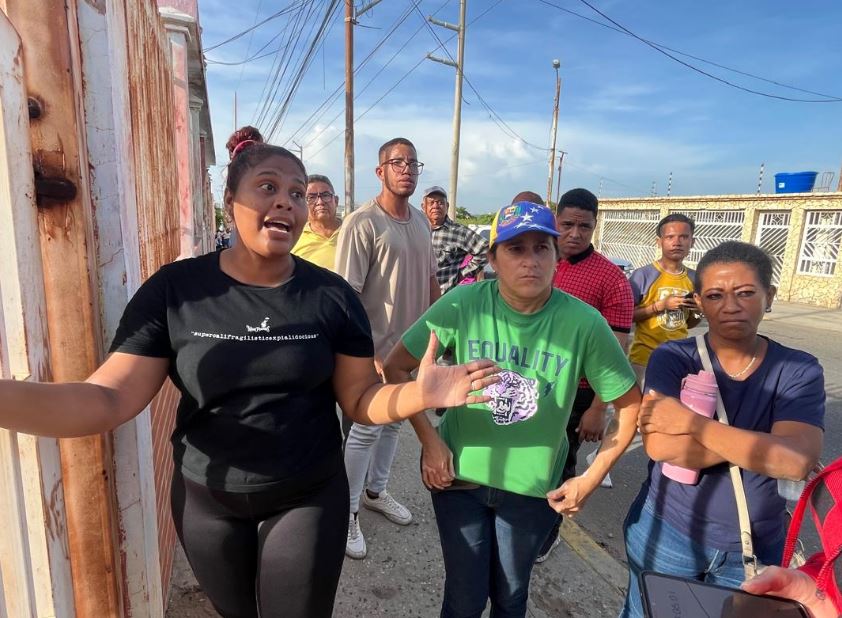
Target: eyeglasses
(312, 198)
(402, 165)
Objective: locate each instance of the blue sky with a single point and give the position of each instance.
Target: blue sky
(628, 115)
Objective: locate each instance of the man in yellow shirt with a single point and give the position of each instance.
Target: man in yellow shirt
(318, 240)
(664, 306)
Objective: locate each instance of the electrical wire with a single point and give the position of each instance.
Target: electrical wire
(681, 53)
(283, 11)
(399, 81)
(320, 111)
(248, 47)
(492, 114)
(287, 62)
(257, 55)
(275, 74)
(286, 66)
(702, 72)
(296, 80)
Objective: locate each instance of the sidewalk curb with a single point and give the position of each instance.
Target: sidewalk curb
(606, 567)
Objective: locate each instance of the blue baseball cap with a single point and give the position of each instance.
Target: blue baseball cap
(514, 220)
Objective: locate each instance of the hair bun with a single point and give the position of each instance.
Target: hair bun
(241, 139)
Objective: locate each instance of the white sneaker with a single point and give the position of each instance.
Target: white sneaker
(355, 545)
(393, 510)
(546, 554)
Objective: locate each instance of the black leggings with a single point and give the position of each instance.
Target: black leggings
(265, 554)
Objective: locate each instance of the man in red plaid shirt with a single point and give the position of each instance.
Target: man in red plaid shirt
(589, 276)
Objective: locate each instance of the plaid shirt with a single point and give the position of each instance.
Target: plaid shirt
(452, 242)
(596, 280)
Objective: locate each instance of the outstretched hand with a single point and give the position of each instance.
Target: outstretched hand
(448, 386)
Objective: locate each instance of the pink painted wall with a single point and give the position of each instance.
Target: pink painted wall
(190, 7)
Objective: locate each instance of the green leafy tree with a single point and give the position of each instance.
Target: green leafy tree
(462, 213)
(219, 217)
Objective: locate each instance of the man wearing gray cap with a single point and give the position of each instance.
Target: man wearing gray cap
(453, 243)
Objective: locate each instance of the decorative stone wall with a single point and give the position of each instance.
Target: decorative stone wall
(819, 290)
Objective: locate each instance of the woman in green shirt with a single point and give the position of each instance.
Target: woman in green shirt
(505, 457)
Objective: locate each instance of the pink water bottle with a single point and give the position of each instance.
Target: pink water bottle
(698, 392)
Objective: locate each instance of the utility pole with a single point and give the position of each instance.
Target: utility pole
(561, 154)
(457, 98)
(300, 150)
(349, 106)
(350, 22)
(556, 65)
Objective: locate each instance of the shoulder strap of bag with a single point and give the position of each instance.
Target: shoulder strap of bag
(749, 559)
(801, 508)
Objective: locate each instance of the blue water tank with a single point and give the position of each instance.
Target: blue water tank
(797, 182)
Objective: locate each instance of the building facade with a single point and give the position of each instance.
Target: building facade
(802, 232)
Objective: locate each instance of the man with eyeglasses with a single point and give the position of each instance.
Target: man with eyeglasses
(385, 253)
(317, 243)
(453, 243)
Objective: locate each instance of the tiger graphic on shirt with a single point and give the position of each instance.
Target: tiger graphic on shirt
(513, 399)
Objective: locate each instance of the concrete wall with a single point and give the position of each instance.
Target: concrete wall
(820, 290)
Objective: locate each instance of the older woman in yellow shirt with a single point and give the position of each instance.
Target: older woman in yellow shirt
(317, 243)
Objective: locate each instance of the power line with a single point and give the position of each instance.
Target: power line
(257, 55)
(288, 66)
(405, 75)
(320, 111)
(284, 63)
(700, 71)
(681, 53)
(373, 105)
(296, 80)
(492, 114)
(283, 11)
(275, 74)
(248, 47)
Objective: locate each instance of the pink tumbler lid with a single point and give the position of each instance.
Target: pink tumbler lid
(704, 382)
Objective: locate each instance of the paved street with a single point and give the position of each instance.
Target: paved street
(403, 575)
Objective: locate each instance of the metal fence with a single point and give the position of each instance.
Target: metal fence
(772, 236)
(629, 234)
(713, 227)
(822, 239)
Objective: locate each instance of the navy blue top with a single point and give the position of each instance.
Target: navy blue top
(788, 386)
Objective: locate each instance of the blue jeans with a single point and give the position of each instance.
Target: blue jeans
(489, 540)
(654, 545)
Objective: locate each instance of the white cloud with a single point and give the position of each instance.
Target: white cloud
(494, 166)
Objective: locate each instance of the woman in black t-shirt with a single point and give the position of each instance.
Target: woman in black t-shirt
(261, 345)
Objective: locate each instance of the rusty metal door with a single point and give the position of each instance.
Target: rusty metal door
(34, 565)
